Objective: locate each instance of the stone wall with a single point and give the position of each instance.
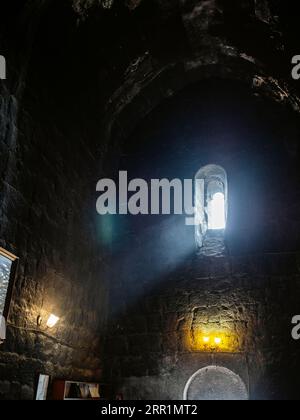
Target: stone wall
(47, 216)
(158, 346)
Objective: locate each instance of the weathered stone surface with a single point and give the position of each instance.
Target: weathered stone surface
(249, 314)
(45, 171)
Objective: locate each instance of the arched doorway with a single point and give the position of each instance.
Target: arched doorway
(215, 383)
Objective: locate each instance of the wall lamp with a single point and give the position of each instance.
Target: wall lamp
(216, 340)
(51, 322)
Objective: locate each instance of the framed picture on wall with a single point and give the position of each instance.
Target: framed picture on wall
(42, 388)
(8, 266)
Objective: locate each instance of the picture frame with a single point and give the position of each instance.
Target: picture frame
(42, 387)
(11, 284)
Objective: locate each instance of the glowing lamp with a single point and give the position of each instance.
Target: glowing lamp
(218, 341)
(52, 321)
(206, 340)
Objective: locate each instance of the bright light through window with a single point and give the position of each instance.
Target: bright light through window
(216, 211)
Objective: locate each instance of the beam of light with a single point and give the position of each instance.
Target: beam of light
(145, 264)
(216, 219)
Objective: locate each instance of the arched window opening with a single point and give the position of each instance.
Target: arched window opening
(211, 202)
(216, 212)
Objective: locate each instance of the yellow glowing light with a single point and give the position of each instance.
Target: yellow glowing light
(52, 321)
(212, 340)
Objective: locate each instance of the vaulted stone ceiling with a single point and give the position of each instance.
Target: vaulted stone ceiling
(83, 5)
(262, 7)
(160, 33)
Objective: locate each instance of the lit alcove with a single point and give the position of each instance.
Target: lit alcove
(215, 383)
(211, 204)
